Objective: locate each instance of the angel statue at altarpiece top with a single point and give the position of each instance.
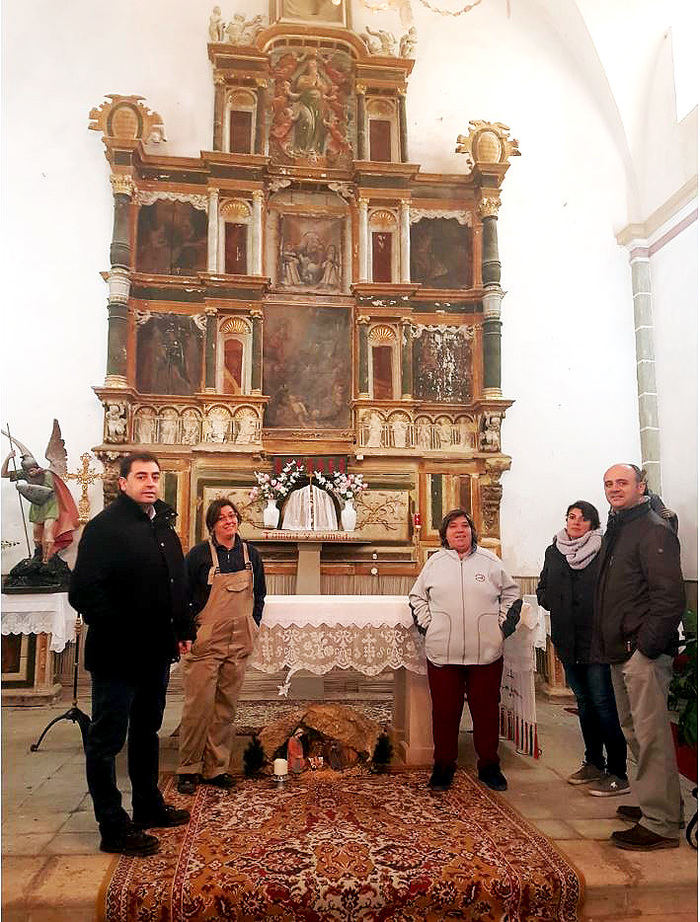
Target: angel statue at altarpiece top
(52, 512)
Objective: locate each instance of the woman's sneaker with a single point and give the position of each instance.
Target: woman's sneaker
(609, 786)
(586, 774)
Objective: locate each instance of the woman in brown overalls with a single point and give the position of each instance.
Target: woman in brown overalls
(226, 583)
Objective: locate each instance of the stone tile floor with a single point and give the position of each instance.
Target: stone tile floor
(52, 869)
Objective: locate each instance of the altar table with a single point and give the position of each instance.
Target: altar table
(318, 633)
(51, 618)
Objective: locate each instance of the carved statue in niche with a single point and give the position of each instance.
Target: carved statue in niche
(247, 425)
(145, 427)
(490, 435)
(374, 423)
(399, 431)
(168, 427)
(310, 107)
(190, 428)
(115, 422)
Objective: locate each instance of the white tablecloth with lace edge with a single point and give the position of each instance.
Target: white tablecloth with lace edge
(318, 633)
(40, 613)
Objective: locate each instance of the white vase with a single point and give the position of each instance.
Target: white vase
(271, 514)
(348, 516)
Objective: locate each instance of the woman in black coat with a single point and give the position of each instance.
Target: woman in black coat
(566, 589)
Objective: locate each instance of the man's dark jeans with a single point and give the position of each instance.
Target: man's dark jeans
(120, 706)
(597, 714)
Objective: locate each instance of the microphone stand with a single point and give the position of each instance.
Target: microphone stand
(73, 713)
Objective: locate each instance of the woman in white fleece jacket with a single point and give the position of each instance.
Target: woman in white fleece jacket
(466, 604)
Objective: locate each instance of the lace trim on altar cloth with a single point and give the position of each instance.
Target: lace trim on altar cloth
(320, 648)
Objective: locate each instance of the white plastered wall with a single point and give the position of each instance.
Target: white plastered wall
(568, 341)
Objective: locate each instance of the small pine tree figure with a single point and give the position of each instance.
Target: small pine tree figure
(253, 758)
(383, 752)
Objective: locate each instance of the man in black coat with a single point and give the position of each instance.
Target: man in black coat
(638, 606)
(129, 586)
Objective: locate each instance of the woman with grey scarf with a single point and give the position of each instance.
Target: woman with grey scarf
(566, 590)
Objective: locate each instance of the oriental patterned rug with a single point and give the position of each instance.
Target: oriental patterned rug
(346, 847)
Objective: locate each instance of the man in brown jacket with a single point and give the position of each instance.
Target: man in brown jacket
(639, 604)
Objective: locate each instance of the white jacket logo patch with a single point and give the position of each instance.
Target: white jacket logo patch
(479, 577)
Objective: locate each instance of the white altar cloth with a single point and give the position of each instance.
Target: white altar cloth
(318, 633)
(40, 613)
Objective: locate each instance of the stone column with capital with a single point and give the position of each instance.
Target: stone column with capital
(362, 152)
(256, 376)
(647, 395)
(363, 356)
(213, 232)
(493, 294)
(406, 360)
(256, 242)
(363, 270)
(403, 127)
(405, 241)
(210, 351)
(119, 282)
(219, 103)
(260, 110)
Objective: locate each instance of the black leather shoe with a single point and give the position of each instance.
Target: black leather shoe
(225, 781)
(165, 816)
(129, 841)
(187, 784)
(641, 839)
(493, 778)
(441, 777)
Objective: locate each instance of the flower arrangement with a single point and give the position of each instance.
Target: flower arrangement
(347, 486)
(277, 486)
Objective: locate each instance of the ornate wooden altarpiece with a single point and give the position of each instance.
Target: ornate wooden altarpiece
(303, 290)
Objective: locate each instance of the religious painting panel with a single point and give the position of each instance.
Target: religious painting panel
(332, 12)
(310, 253)
(442, 365)
(168, 355)
(441, 253)
(171, 238)
(307, 367)
(311, 111)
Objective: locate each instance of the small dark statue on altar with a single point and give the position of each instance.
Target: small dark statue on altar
(52, 512)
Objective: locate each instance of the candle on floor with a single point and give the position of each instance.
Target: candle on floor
(279, 767)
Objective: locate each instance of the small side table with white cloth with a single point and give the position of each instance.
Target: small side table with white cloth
(51, 618)
(318, 633)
